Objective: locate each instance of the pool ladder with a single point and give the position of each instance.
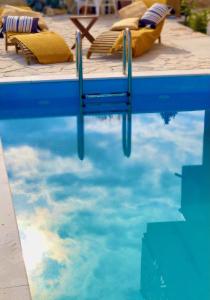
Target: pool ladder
(106, 103)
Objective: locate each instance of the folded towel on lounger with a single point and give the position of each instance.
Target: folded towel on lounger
(48, 47)
(142, 40)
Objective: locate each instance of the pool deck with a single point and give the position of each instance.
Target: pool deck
(181, 50)
(13, 279)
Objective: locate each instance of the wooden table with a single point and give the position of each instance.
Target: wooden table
(85, 31)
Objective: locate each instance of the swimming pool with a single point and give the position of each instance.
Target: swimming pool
(112, 227)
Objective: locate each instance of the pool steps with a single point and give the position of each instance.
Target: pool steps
(106, 103)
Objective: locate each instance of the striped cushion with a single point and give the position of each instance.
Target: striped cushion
(20, 24)
(154, 15)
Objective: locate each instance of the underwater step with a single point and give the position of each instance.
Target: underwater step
(105, 101)
(96, 106)
(108, 95)
(109, 112)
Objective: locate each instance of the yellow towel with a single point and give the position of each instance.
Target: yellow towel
(10, 35)
(48, 47)
(142, 40)
(149, 3)
(13, 2)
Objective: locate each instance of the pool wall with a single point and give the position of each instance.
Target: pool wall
(44, 98)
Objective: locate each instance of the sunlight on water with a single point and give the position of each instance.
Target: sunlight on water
(113, 228)
(35, 245)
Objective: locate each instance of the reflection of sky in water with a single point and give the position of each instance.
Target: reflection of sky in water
(82, 223)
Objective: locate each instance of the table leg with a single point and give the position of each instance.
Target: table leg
(84, 30)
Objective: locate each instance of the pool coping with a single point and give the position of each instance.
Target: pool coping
(35, 78)
(13, 278)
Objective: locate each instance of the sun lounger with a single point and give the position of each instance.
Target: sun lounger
(8, 37)
(142, 40)
(44, 48)
(9, 10)
(103, 43)
(28, 55)
(111, 42)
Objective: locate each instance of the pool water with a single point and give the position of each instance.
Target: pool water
(109, 227)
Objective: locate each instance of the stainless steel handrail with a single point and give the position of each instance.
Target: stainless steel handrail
(127, 70)
(80, 117)
(127, 115)
(79, 63)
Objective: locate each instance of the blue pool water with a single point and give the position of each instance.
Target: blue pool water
(113, 228)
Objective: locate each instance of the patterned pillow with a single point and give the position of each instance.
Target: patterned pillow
(154, 15)
(20, 24)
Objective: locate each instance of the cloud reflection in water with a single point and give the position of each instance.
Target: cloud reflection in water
(82, 223)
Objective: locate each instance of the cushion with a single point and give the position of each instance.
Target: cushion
(13, 2)
(17, 11)
(47, 47)
(149, 3)
(20, 24)
(142, 40)
(133, 10)
(154, 15)
(7, 6)
(131, 23)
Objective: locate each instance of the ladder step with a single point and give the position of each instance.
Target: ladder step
(109, 112)
(105, 104)
(108, 95)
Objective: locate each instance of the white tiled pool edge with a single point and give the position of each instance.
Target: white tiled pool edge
(13, 279)
(35, 78)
